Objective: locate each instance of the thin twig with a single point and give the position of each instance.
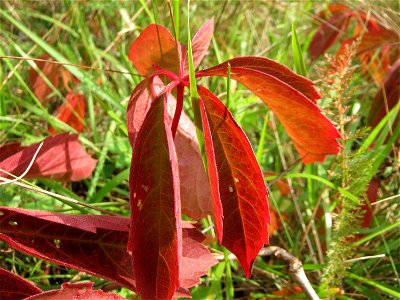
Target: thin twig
(296, 270)
(295, 267)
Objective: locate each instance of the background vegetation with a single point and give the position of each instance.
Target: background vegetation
(316, 212)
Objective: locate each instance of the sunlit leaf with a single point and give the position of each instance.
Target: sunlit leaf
(241, 186)
(313, 135)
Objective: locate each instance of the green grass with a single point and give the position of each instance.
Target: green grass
(97, 34)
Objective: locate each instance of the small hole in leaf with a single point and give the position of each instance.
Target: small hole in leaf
(145, 188)
(57, 243)
(1, 213)
(236, 180)
(231, 189)
(13, 223)
(134, 195)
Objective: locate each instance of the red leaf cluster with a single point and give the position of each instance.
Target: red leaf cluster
(374, 38)
(94, 244)
(238, 192)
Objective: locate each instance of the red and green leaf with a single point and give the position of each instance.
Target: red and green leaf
(14, 287)
(155, 236)
(241, 186)
(61, 157)
(313, 135)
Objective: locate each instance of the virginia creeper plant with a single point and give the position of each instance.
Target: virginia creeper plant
(154, 252)
(239, 195)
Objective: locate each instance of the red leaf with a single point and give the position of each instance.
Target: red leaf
(75, 291)
(138, 106)
(381, 40)
(61, 157)
(328, 32)
(155, 236)
(71, 112)
(154, 46)
(212, 172)
(313, 135)
(14, 287)
(200, 43)
(93, 244)
(387, 96)
(372, 194)
(39, 86)
(9, 149)
(241, 186)
(194, 187)
(268, 67)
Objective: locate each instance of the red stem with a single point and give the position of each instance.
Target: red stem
(178, 109)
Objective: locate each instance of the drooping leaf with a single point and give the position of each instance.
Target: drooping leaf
(241, 186)
(387, 96)
(93, 244)
(329, 31)
(212, 171)
(14, 287)
(61, 157)
(71, 112)
(200, 43)
(313, 135)
(155, 238)
(194, 187)
(76, 291)
(155, 46)
(197, 259)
